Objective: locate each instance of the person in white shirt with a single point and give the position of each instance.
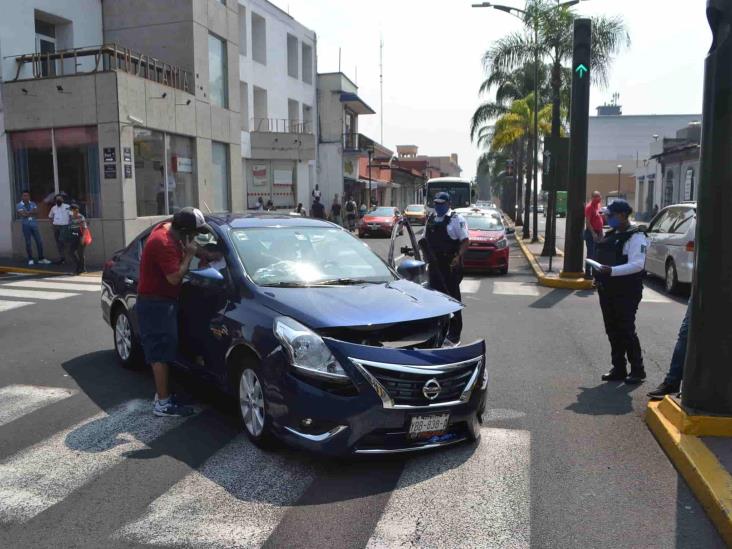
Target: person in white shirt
(60, 217)
(619, 279)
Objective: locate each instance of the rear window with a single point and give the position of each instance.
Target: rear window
(415, 208)
(484, 222)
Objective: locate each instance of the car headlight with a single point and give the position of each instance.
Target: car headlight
(501, 243)
(307, 350)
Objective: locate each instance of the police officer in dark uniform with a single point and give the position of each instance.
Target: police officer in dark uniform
(445, 242)
(622, 255)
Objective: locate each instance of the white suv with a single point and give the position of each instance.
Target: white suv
(670, 252)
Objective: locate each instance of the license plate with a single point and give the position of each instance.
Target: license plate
(428, 425)
(373, 226)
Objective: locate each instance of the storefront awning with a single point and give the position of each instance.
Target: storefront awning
(355, 103)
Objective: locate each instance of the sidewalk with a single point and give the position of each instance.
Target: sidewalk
(545, 276)
(9, 265)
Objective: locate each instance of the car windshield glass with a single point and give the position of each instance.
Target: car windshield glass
(414, 208)
(383, 212)
(484, 222)
(305, 256)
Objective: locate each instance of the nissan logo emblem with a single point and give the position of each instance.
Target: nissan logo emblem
(431, 389)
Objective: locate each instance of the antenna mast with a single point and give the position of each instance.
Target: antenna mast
(381, 85)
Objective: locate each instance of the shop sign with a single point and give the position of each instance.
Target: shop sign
(283, 177)
(348, 169)
(127, 154)
(110, 155)
(259, 174)
(183, 164)
(110, 171)
(128, 171)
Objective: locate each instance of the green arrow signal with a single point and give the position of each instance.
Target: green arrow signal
(581, 70)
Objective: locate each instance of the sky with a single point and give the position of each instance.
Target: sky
(432, 61)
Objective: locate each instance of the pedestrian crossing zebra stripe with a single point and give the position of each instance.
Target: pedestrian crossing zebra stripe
(516, 288)
(84, 279)
(470, 285)
(485, 487)
(48, 285)
(19, 400)
(10, 305)
(43, 475)
(34, 294)
(223, 504)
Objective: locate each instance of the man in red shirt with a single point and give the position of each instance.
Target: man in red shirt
(593, 228)
(166, 257)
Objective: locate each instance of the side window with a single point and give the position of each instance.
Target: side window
(660, 222)
(683, 222)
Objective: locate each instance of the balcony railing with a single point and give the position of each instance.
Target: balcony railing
(358, 142)
(108, 57)
(281, 125)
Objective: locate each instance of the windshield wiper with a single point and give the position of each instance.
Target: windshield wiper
(286, 284)
(347, 282)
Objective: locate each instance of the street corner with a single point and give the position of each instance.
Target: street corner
(700, 447)
(532, 252)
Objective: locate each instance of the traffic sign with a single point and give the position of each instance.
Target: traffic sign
(581, 70)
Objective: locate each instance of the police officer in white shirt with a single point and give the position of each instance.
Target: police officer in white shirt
(60, 217)
(446, 238)
(622, 255)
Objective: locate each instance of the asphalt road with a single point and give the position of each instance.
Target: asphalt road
(565, 460)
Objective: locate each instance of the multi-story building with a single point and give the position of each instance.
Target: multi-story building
(135, 109)
(439, 166)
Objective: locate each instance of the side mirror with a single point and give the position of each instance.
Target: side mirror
(206, 278)
(412, 270)
(643, 227)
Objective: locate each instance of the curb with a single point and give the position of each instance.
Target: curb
(707, 478)
(25, 270)
(552, 281)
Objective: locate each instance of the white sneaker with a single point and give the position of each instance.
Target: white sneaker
(44, 262)
(31, 262)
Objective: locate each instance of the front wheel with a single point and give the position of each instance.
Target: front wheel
(253, 408)
(126, 344)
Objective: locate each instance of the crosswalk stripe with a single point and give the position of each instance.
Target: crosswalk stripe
(224, 504)
(10, 305)
(34, 294)
(652, 296)
(470, 285)
(44, 285)
(19, 400)
(486, 489)
(515, 288)
(86, 279)
(41, 476)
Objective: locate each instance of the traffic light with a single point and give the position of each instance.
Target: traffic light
(509, 167)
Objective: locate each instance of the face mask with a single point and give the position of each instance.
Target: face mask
(614, 222)
(59, 202)
(441, 209)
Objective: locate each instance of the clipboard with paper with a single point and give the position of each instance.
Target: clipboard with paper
(594, 264)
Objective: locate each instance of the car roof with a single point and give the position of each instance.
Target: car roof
(264, 219)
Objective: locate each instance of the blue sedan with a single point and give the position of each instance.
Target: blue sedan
(325, 346)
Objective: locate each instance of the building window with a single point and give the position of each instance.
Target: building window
(689, 184)
(307, 64)
(307, 119)
(668, 194)
(164, 172)
(259, 39)
(217, 71)
(220, 201)
(244, 105)
(260, 119)
(292, 57)
(293, 115)
(76, 173)
(242, 30)
(46, 43)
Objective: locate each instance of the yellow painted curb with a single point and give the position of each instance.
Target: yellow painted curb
(700, 426)
(552, 281)
(25, 270)
(707, 478)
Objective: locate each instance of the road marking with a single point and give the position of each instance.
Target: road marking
(470, 285)
(33, 294)
(485, 487)
(43, 475)
(19, 400)
(652, 296)
(10, 305)
(515, 288)
(47, 285)
(87, 279)
(399, 258)
(236, 499)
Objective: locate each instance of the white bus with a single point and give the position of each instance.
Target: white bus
(459, 189)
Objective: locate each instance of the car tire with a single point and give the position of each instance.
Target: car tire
(255, 418)
(127, 345)
(503, 271)
(671, 281)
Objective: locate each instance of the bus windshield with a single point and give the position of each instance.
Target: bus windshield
(459, 193)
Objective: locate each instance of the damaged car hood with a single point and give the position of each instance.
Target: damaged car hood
(364, 305)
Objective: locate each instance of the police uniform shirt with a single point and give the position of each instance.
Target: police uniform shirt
(635, 248)
(458, 228)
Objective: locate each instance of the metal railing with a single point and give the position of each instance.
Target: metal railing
(281, 125)
(107, 57)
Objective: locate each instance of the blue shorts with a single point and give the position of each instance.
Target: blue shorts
(158, 321)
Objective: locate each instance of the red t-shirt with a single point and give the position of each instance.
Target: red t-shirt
(161, 256)
(594, 219)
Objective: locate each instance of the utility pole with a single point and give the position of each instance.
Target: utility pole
(707, 373)
(579, 129)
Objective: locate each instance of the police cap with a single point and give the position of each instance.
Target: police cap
(441, 197)
(620, 206)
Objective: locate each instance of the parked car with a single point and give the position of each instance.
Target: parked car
(540, 208)
(324, 345)
(670, 253)
(416, 213)
(488, 249)
(378, 222)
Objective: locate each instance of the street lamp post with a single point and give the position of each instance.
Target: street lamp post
(620, 169)
(371, 154)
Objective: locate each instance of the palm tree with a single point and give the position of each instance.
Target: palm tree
(555, 44)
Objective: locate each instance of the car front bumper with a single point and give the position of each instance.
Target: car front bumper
(309, 416)
(487, 258)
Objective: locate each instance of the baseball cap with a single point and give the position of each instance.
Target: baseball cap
(190, 220)
(441, 197)
(620, 206)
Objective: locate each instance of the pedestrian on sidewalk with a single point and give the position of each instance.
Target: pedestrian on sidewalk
(166, 257)
(317, 210)
(74, 234)
(59, 216)
(27, 211)
(335, 211)
(672, 383)
(593, 228)
(351, 209)
(622, 255)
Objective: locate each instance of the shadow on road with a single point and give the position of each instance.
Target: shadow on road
(549, 300)
(606, 399)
